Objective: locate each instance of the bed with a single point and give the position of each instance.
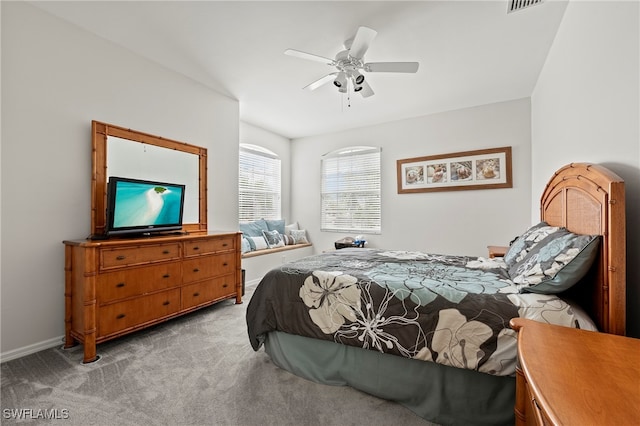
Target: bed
(431, 331)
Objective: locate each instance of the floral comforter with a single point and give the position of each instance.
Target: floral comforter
(452, 310)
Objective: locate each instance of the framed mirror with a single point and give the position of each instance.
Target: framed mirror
(129, 153)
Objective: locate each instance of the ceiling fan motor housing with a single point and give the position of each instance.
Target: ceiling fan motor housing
(348, 67)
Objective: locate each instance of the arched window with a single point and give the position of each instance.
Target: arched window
(259, 184)
(351, 190)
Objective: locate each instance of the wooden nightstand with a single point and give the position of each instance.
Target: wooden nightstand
(568, 376)
(497, 251)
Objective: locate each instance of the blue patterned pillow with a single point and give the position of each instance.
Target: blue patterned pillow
(556, 263)
(273, 238)
(525, 242)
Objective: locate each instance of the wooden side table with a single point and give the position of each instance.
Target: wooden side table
(497, 251)
(569, 376)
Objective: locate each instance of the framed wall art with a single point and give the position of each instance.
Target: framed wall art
(481, 169)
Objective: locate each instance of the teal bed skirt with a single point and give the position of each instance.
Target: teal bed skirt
(437, 393)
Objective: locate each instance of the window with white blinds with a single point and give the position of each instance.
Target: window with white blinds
(351, 190)
(259, 184)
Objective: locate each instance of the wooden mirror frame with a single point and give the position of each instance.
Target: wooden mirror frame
(99, 133)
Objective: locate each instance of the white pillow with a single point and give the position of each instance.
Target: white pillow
(259, 242)
(290, 227)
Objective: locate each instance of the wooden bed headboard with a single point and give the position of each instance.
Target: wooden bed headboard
(589, 199)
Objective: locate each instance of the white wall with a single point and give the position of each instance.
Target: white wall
(456, 222)
(586, 108)
(56, 78)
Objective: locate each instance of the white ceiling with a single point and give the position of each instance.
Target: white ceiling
(470, 53)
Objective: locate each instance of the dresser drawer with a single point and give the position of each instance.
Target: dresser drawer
(123, 283)
(537, 413)
(122, 315)
(206, 291)
(208, 246)
(208, 267)
(138, 255)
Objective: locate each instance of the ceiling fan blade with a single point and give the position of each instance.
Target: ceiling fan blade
(310, 56)
(361, 42)
(391, 66)
(366, 90)
(319, 82)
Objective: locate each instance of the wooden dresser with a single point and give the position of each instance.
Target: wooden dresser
(114, 287)
(568, 376)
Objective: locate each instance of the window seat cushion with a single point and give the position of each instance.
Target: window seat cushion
(274, 250)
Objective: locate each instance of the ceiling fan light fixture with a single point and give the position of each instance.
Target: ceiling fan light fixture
(357, 77)
(341, 80)
(357, 86)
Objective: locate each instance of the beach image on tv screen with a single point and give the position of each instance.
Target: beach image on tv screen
(143, 204)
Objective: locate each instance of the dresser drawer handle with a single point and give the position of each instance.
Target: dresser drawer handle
(166, 275)
(120, 316)
(196, 270)
(225, 285)
(166, 252)
(121, 257)
(166, 303)
(533, 400)
(120, 285)
(196, 294)
(196, 248)
(225, 264)
(224, 244)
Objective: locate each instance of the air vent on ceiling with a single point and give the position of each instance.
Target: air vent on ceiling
(515, 5)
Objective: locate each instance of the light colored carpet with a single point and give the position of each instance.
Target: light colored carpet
(195, 370)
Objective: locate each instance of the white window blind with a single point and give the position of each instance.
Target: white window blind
(259, 184)
(351, 190)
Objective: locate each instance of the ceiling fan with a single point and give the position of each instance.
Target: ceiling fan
(350, 62)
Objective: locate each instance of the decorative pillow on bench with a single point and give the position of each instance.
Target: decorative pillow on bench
(273, 238)
(252, 238)
(299, 236)
(254, 229)
(258, 243)
(276, 225)
(262, 234)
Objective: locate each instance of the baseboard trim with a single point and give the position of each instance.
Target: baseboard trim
(31, 349)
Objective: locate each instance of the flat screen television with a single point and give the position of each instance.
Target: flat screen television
(143, 207)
